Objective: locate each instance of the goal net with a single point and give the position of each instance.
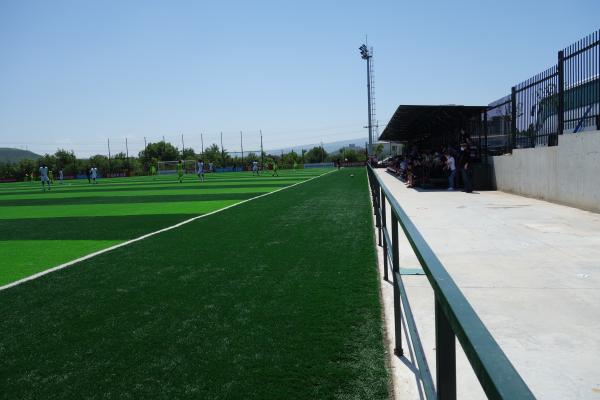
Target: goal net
(170, 167)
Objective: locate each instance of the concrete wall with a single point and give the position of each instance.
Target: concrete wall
(568, 173)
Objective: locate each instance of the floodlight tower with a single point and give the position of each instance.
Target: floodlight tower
(367, 54)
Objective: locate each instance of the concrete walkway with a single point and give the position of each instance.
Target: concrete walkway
(529, 268)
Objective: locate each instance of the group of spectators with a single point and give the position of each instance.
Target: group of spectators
(418, 168)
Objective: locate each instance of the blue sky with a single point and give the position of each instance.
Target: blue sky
(74, 73)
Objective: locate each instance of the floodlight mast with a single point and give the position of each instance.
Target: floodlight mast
(366, 54)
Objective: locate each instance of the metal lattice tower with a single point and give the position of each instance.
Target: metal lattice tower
(367, 54)
(374, 122)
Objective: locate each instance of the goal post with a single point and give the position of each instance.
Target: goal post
(170, 167)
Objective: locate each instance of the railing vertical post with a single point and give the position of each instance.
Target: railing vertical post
(485, 135)
(395, 272)
(513, 118)
(445, 345)
(379, 197)
(377, 209)
(372, 182)
(383, 226)
(561, 92)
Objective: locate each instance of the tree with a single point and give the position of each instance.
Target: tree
(25, 166)
(67, 161)
(118, 164)
(315, 155)
(101, 162)
(160, 151)
(189, 154)
(213, 154)
(50, 161)
(379, 149)
(250, 158)
(288, 159)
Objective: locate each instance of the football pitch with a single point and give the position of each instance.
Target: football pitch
(41, 230)
(273, 298)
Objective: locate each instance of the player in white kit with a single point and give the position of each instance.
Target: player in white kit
(254, 167)
(200, 168)
(44, 177)
(94, 174)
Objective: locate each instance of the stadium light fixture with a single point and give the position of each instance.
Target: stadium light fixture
(367, 55)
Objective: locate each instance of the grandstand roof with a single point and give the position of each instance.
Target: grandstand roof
(418, 123)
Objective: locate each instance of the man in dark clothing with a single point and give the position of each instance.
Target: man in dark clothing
(464, 164)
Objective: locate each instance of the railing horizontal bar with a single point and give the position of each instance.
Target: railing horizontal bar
(497, 375)
(498, 105)
(424, 371)
(582, 50)
(542, 80)
(578, 119)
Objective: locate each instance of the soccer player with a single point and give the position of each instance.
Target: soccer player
(201, 170)
(275, 168)
(153, 171)
(60, 176)
(210, 166)
(180, 171)
(51, 176)
(44, 177)
(254, 167)
(94, 174)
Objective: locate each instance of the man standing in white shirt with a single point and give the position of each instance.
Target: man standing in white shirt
(201, 170)
(94, 174)
(44, 177)
(451, 166)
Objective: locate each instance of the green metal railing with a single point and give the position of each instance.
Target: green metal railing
(454, 316)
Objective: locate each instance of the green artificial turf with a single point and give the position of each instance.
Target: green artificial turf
(113, 210)
(276, 298)
(82, 210)
(42, 255)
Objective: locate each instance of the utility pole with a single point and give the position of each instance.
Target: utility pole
(145, 145)
(262, 153)
(202, 142)
(127, 154)
(108, 157)
(242, 148)
(222, 152)
(182, 147)
(322, 153)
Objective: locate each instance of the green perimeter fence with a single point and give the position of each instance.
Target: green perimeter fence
(454, 316)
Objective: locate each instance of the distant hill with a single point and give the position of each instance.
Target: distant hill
(15, 155)
(329, 147)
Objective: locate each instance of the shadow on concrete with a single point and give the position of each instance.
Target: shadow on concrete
(411, 363)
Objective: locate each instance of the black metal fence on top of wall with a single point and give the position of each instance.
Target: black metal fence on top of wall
(562, 99)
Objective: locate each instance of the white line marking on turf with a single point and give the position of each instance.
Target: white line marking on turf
(147, 235)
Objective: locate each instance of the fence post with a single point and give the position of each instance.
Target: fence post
(445, 355)
(561, 92)
(383, 226)
(513, 119)
(395, 273)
